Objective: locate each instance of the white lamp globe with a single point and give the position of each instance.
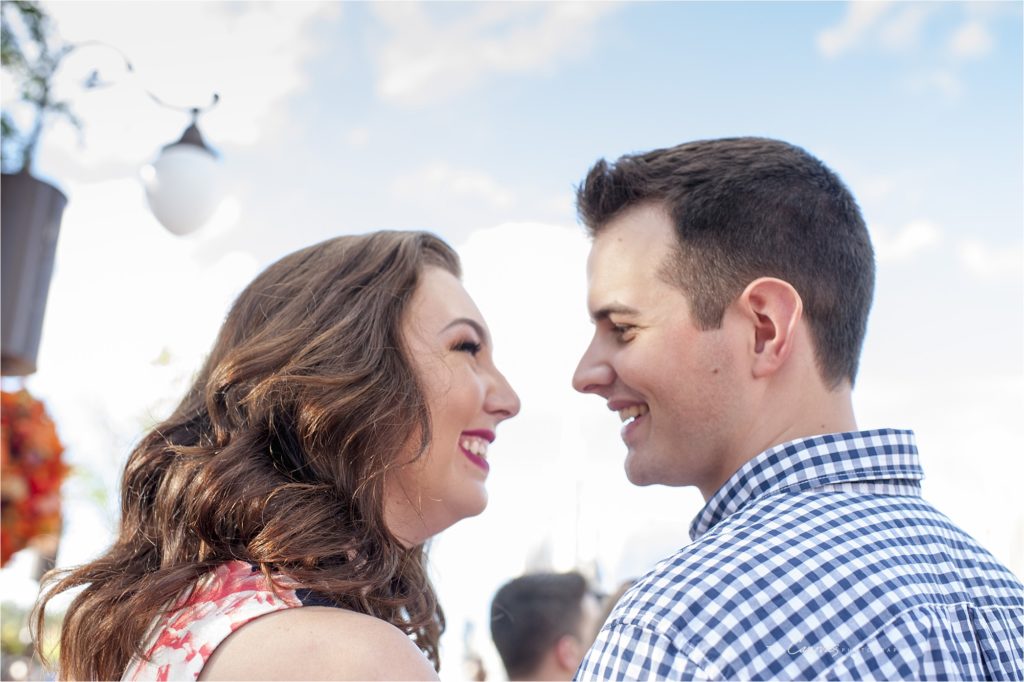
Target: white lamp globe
(184, 186)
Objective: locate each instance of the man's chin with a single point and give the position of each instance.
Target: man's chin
(641, 473)
(637, 473)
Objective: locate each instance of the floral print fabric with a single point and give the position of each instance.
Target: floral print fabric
(224, 600)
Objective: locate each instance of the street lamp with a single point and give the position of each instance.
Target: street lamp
(184, 186)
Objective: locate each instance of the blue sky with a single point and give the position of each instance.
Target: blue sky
(642, 76)
(476, 121)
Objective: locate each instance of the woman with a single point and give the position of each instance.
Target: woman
(342, 419)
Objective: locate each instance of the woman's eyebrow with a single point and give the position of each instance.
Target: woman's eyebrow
(472, 323)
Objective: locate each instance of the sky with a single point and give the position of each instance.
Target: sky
(476, 121)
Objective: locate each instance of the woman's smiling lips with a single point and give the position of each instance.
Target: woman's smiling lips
(474, 446)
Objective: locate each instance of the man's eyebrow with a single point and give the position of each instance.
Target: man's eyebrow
(477, 327)
(605, 312)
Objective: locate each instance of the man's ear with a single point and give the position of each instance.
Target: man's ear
(774, 309)
(568, 653)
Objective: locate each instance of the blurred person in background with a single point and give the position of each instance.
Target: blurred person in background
(273, 527)
(542, 623)
(729, 282)
(609, 602)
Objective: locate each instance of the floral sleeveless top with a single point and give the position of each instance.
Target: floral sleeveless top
(224, 600)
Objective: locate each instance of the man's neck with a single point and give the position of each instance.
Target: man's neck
(814, 414)
(785, 416)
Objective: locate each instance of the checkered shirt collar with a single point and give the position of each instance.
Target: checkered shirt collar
(883, 455)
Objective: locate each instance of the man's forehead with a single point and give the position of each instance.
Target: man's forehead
(645, 230)
(609, 281)
(616, 274)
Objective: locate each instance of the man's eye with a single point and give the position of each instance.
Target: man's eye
(471, 347)
(624, 332)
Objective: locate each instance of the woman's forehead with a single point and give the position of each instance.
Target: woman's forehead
(441, 301)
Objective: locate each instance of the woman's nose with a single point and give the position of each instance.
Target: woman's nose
(504, 401)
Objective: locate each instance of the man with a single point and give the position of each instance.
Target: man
(542, 623)
(729, 282)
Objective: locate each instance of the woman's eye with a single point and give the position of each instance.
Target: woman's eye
(471, 347)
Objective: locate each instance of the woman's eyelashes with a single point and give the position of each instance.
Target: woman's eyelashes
(468, 346)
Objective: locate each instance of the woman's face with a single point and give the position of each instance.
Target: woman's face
(450, 349)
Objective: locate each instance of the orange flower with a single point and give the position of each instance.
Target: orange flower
(31, 472)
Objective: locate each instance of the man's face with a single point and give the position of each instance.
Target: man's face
(675, 387)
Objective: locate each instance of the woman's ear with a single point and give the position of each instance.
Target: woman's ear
(774, 309)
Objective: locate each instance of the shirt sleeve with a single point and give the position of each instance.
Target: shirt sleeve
(632, 652)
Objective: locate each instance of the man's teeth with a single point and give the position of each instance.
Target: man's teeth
(631, 413)
(477, 446)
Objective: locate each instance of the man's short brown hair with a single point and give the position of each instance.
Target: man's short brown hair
(745, 208)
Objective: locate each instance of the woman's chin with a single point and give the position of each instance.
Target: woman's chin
(468, 509)
(478, 509)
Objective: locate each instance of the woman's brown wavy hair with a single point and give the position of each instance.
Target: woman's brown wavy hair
(276, 456)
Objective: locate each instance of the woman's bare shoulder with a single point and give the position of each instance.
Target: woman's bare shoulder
(318, 643)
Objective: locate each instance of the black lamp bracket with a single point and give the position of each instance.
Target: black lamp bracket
(95, 81)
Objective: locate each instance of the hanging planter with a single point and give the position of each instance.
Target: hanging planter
(31, 208)
(29, 224)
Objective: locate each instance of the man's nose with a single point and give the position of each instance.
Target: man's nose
(593, 373)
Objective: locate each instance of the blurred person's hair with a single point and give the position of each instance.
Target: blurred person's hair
(529, 614)
(745, 208)
(276, 456)
(609, 602)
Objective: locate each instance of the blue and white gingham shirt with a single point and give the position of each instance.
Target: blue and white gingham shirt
(819, 559)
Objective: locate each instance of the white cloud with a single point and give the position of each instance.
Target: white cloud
(547, 263)
(899, 27)
(112, 262)
(992, 264)
(903, 30)
(561, 204)
(943, 81)
(252, 54)
(420, 60)
(971, 41)
(860, 18)
(440, 182)
(357, 137)
(894, 27)
(911, 239)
